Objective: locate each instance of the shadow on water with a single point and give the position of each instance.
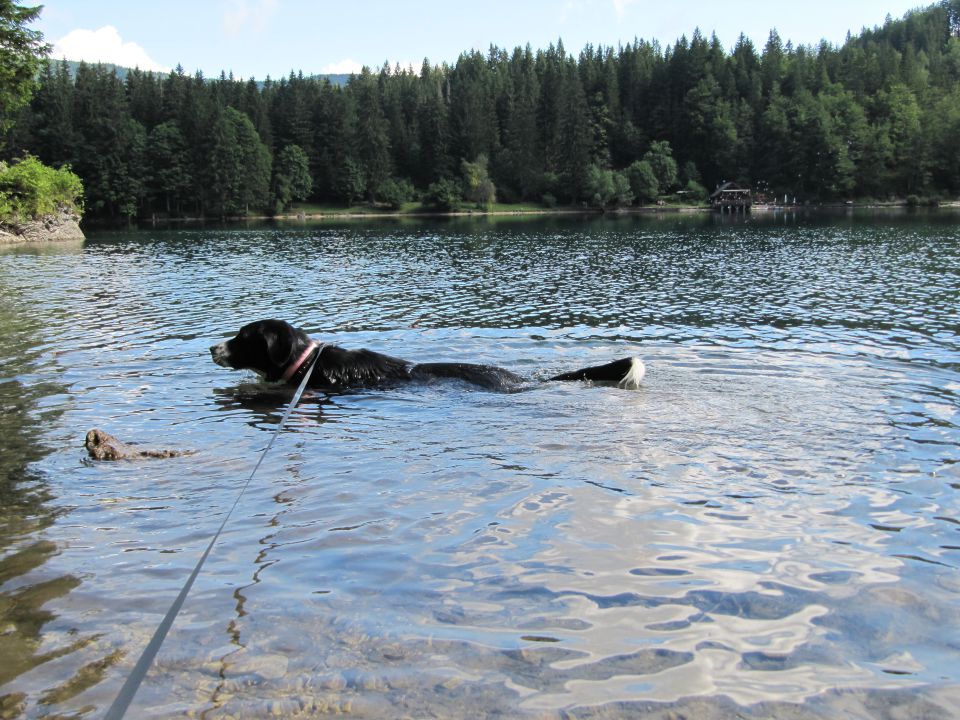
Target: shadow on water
(263, 404)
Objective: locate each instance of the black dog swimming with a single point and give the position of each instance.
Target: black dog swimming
(277, 351)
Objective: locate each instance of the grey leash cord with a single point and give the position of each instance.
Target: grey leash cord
(132, 683)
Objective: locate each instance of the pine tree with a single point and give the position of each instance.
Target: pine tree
(168, 167)
(21, 50)
(223, 178)
(575, 136)
(874, 116)
(291, 179)
(372, 140)
(433, 126)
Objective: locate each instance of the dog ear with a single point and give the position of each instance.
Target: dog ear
(280, 344)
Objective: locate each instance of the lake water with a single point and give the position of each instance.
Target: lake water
(769, 526)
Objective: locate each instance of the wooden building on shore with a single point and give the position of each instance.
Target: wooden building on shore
(731, 198)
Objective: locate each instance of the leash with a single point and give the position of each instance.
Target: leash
(139, 672)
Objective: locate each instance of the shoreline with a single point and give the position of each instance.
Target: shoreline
(62, 227)
(66, 228)
(350, 214)
(484, 213)
(373, 214)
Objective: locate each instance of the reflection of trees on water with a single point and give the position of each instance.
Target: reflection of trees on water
(24, 509)
(25, 513)
(23, 495)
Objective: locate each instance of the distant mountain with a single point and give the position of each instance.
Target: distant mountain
(339, 79)
(72, 66)
(122, 72)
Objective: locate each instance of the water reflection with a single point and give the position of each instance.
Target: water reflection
(771, 519)
(29, 589)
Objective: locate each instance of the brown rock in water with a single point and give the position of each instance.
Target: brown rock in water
(104, 446)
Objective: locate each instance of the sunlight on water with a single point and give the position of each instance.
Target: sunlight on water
(772, 518)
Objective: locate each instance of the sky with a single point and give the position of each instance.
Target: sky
(257, 38)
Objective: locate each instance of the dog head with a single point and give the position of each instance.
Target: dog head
(267, 347)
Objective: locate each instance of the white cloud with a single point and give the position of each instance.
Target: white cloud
(240, 14)
(569, 8)
(104, 45)
(620, 6)
(344, 67)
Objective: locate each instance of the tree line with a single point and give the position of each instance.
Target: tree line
(875, 117)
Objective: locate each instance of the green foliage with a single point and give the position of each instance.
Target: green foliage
(20, 53)
(350, 181)
(695, 192)
(253, 185)
(29, 190)
(109, 144)
(876, 116)
(943, 129)
(443, 195)
(599, 186)
(643, 181)
(622, 192)
(664, 167)
(396, 192)
(168, 167)
(223, 165)
(239, 165)
(607, 188)
(372, 138)
(291, 179)
(478, 188)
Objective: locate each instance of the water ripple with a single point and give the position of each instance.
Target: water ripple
(772, 518)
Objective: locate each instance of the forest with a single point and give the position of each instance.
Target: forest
(877, 117)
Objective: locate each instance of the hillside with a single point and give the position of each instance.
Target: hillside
(876, 117)
(72, 66)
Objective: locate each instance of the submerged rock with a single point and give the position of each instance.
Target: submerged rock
(104, 446)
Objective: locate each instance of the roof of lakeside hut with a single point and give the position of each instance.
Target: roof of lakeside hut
(729, 188)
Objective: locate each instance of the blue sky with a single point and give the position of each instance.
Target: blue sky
(256, 38)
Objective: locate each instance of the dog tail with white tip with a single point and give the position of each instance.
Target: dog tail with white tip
(627, 373)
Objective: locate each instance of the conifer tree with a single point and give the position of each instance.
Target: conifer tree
(875, 116)
(21, 50)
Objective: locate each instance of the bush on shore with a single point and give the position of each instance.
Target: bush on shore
(30, 190)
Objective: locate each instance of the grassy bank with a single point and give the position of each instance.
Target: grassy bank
(316, 211)
(413, 209)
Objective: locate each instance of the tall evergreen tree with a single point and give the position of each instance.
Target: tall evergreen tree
(110, 147)
(168, 167)
(875, 116)
(433, 126)
(224, 164)
(21, 50)
(372, 140)
(255, 165)
(520, 163)
(291, 179)
(53, 129)
(575, 135)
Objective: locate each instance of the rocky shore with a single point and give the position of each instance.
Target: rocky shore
(61, 227)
